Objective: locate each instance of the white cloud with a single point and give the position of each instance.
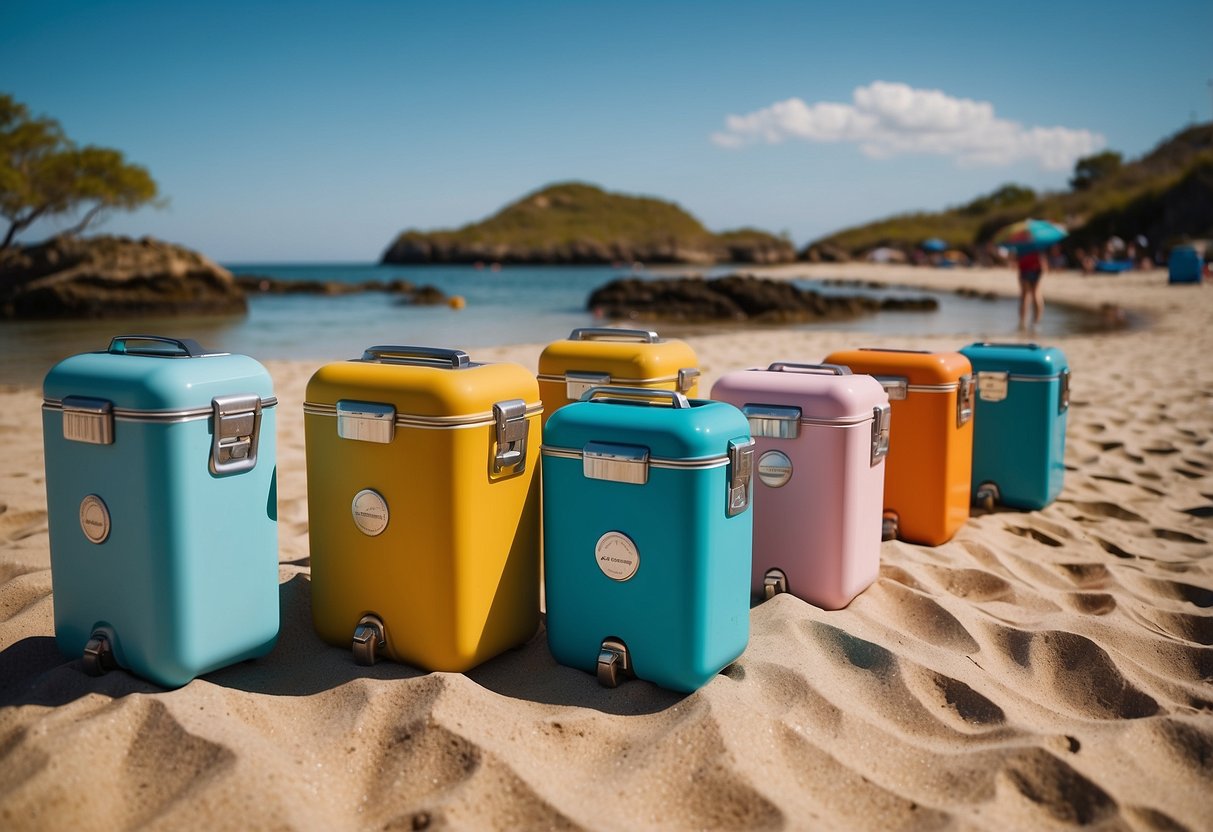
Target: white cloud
(891, 119)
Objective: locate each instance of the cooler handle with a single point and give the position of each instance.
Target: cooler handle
(1032, 346)
(593, 333)
(889, 349)
(424, 356)
(677, 400)
(190, 347)
(823, 369)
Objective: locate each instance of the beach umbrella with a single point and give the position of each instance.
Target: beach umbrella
(1030, 235)
(934, 244)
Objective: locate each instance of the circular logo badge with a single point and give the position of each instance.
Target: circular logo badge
(94, 518)
(617, 556)
(774, 468)
(370, 512)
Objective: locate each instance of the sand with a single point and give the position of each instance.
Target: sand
(1041, 670)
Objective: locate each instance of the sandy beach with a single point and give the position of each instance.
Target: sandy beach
(1042, 670)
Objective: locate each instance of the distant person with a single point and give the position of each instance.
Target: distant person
(1031, 268)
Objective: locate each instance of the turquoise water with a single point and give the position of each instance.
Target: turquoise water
(519, 304)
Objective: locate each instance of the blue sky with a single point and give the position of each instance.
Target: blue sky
(317, 131)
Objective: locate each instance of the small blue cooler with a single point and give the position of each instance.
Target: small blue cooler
(1185, 265)
(161, 493)
(648, 535)
(1019, 423)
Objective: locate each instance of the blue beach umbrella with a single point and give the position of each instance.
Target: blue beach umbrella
(934, 244)
(1030, 235)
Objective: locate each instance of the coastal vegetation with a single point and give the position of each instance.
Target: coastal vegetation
(45, 175)
(575, 222)
(1166, 195)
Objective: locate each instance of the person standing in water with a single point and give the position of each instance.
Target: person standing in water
(1031, 268)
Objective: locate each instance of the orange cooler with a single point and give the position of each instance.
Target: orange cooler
(423, 506)
(600, 356)
(927, 471)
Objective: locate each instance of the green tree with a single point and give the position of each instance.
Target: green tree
(44, 174)
(1090, 169)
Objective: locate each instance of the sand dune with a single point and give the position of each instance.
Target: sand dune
(1042, 670)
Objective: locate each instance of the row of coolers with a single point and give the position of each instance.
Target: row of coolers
(663, 513)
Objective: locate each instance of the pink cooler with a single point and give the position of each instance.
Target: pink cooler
(821, 437)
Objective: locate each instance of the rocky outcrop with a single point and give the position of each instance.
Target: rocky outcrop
(404, 291)
(736, 298)
(103, 277)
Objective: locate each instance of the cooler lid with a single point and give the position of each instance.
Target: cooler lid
(423, 381)
(626, 355)
(823, 392)
(918, 367)
(1016, 359)
(152, 372)
(671, 426)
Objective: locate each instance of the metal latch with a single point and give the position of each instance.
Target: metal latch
(237, 425)
(882, 416)
(88, 420)
(741, 472)
(1063, 394)
(617, 463)
(895, 386)
(575, 384)
(773, 420)
(688, 377)
(992, 386)
(366, 421)
(511, 431)
(964, 399)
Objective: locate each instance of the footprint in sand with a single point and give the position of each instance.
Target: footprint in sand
(1203, 512)
(1092, 603)
(1114, 550)
(18, 525)
(1034, 534)
(1106, 509)
(1177, 536)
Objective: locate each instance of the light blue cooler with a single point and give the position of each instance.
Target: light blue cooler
(1019, 423)
(648, 535)
(161, 491)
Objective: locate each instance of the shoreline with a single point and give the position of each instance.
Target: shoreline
(1041, 670)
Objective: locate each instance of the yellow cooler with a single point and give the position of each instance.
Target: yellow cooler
(423, 506)
(601, 356)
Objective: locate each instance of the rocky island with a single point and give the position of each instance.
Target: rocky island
(103, 277)
(577, 223)
(736, 297)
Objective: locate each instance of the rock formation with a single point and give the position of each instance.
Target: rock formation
(101, 277)
(735, 297)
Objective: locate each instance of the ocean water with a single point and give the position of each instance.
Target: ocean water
(516, 305)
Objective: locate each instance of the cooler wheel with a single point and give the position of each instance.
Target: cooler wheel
(614, 662)
(889, 527)
(369, 638)
(987, 495)
(98, 655)
(773, 583)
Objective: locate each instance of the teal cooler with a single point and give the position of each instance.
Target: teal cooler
(161, 493)
(1019, 423)
(648, 535)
